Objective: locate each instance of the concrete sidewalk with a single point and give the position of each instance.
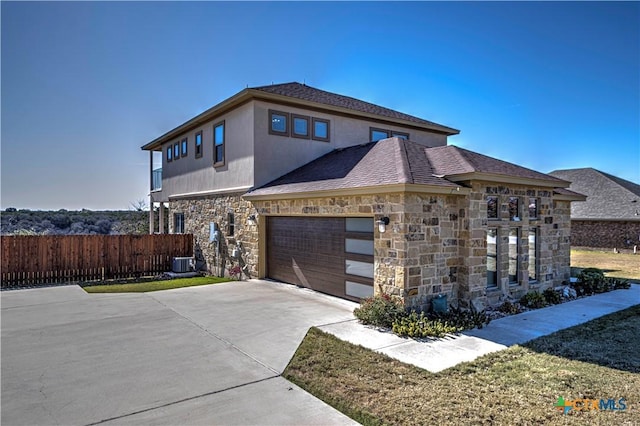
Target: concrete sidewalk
(438, 354)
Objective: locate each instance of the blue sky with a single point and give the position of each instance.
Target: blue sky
(546, 85)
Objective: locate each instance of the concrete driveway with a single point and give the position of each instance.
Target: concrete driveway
(201, 355)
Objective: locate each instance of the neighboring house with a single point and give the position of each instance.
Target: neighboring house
(351, 199)
(610, 218)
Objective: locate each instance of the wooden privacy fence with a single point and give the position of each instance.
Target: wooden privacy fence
(41, 259)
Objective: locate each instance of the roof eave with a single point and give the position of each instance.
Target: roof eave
(493, 177)
(259, 94)
(200, 119)
(569, 197)
(363, 190)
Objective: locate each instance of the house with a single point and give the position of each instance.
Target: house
(610, 217)
(353, 199)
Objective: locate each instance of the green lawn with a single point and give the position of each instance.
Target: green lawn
(154, 285)
(519, 385)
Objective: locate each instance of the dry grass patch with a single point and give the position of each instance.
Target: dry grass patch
(617, 265)
(516, 386)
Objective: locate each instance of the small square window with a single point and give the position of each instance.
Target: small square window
(278, 123)
(169, 154)
(299, 126)
(492, 207)
(320, 130)
(184, 147)
(378, 134)
(199, 144)
(176, 151)
(533, 208)
(514, 208)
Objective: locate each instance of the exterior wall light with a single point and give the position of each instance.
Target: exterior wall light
(251, 220)
(382, 224)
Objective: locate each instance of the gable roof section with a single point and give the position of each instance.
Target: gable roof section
(608, 197)
(303, 96)
(459, 164)
(394, 161)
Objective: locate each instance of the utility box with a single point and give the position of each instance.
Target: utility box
(183, 264)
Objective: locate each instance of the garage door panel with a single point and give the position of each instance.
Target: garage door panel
(310, 252)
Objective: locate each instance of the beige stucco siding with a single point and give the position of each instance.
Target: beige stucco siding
(192, 175)
(278, 155)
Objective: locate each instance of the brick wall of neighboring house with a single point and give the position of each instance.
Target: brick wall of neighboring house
(605, 234)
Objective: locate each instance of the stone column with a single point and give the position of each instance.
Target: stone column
(161, 218)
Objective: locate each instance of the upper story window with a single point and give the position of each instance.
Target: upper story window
(183, 147)
(299, 126)
(169, 154)
(378, 134)
(176, 151)
(514, 208)
(199, 144)
(278, 123)
(533, 208)
(218, 144)
(320, 130)
(492, 207)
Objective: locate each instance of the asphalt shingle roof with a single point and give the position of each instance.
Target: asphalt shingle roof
(608, 196)
(308, 93)
(391, 161)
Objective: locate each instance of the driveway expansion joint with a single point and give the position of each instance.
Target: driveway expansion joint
(191, 398)
(214, 335)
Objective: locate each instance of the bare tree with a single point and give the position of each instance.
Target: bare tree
(139, 205)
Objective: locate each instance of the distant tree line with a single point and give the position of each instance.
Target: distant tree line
(64, 222)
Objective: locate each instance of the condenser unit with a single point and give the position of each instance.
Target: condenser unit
(183, 264)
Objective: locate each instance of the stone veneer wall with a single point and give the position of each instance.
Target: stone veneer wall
(605, 234)
(200, 212)
(434, 244)
(417, 257)
(553, 242)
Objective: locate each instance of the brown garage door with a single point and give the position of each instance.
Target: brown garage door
(330, 255)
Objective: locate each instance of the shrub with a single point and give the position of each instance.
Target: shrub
(379, 311)
(419, 325)
(617, 284)
(509, 308)
(534, 300)
(466, 320)
(551, 296)
(590, 280)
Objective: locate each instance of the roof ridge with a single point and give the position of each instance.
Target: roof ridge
(404, 156)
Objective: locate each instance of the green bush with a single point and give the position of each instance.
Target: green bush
(534, 300)
(551, 296)
(617, 283)
(380, 311)
(466, 320)
(509, 308)
(590, 281)
(419, 325)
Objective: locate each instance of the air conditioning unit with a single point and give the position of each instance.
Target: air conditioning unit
(183, 264)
